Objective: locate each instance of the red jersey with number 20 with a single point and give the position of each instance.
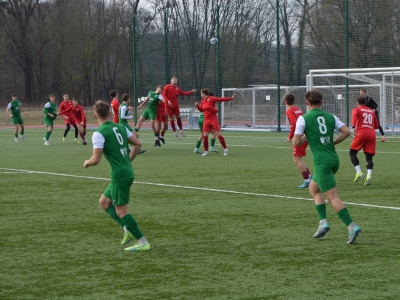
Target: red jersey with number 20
(364, 120)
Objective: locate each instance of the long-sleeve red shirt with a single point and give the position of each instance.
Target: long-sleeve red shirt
(293, 113)
(66, 108)
(207, 106)
(171, 93)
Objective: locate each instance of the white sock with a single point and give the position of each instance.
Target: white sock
(358, 169)
(369, 172)
(142, 241)
(125, 230)
(350, 227)
(323, 221)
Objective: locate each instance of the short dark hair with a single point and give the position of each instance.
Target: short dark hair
(75, 99)
(14, 95)
(113, 93)
(362, 100)
(314, 96)
(102, 109)
(289, 99)
(52, 95)
(210, 94)
(159, 86)
(365, 91)
(125, 97)
(205, 92)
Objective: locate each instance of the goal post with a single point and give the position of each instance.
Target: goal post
(340, 89)
(256, 108)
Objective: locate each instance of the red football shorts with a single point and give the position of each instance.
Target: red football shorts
(300, 151)
(209, 126)
(71, 120)
(161, 116)
(171, 111)
(367, 143)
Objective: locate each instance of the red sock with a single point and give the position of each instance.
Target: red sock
(306, 174)
(222, 141)
(82, 136)
(179, 121)
(205, 143)
(173, 125)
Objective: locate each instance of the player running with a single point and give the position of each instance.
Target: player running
(112, 140)
(170, 95)
(364, 123)
(293, 113)
(14, 111)
(80, 118)
(211, 123)
(319, 126)
(66, 107)
(50, 111)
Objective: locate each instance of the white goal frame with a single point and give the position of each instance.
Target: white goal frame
(382, 84)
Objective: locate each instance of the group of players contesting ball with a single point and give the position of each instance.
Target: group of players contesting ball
(120, 144)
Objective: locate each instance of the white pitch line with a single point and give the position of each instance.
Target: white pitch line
(198, 188)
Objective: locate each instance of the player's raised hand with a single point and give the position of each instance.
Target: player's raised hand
(194, 91)
(196, 104)
(234, 96)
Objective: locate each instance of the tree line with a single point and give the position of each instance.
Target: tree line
(85, 47)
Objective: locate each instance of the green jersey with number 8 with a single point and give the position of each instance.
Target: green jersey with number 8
(319, 126)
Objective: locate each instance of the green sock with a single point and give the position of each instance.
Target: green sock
(321, 211)
(198, 144)
(113, 214)
(132, 226)
(156, 134)
(344, 215)
(136, 129)
(48, 135)
(16, 135)
(22, 132)
(212, 142)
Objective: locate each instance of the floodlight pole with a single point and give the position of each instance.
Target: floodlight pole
(219, 79)
(278, 66)
(134, 97)
(166, 44)
(347, 63)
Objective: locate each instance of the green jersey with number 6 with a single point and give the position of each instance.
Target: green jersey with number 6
(113, 138)
(319, 129)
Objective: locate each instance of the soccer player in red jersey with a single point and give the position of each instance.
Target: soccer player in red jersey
(115, 105)
(293, 113)
(364, 123)
(207, 106)
(80, 118)
(161, 120)
(66, 107)
(170, 95)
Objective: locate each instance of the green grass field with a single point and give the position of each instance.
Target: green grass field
(234, 227)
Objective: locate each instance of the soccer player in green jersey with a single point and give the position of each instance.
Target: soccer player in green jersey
(112, 140)
(50, 111)
(319, 126)
(200, 139)
(125, 114)
(14, 111)
(152, 99)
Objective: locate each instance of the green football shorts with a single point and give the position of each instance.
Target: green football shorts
(17, 120)
(324, 174)
(150, 114)
(119, 192)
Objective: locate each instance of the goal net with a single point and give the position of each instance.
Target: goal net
(341, 88)
(257, 108)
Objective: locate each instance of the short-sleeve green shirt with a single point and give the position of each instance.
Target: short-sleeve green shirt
(15, 107)
(114, 141)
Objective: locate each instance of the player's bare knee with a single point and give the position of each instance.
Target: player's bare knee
(104, 202)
